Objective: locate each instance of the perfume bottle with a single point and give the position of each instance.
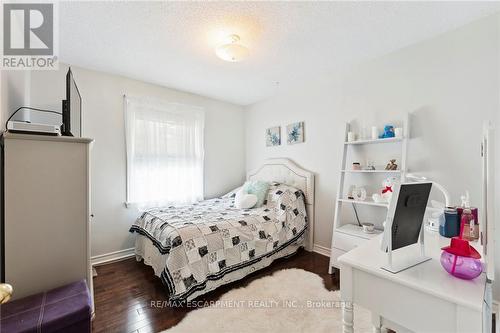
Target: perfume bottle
(468, 226)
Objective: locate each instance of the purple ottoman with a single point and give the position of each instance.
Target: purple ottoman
(64, 309)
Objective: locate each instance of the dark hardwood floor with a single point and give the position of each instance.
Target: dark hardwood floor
(124, 290)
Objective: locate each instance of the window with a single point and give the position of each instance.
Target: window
(164, 152)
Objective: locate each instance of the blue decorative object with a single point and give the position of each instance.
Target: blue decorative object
(388, 132)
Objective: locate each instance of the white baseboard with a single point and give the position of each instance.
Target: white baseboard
(112, 256)
(321, 250)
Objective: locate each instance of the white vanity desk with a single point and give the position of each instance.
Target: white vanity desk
(424, 298)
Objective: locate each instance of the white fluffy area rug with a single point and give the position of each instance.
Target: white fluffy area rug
(291, 300)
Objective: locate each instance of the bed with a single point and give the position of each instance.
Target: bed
(196, 248)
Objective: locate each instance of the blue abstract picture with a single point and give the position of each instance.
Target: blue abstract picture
(273, 136)
(295, 133)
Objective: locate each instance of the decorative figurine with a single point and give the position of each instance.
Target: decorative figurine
(385, 194)
(388, 132)
(391, 165)
(370, 165)
(358, 193)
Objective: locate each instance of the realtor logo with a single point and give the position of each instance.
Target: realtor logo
(28, 36)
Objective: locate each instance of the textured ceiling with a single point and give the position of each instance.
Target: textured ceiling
(172, 43)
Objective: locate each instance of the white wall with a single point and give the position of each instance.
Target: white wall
(102, 96)
(449, 84)
(14, 93)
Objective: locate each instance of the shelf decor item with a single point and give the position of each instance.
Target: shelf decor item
(295, 133)
(385, 194)
(388, 132)
(358, 193)
(356, 166)
(368, 228)
(370, 165)
(461, 260)
(391, 165)
(273, 136)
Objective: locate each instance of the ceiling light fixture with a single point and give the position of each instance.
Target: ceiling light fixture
(232, 51)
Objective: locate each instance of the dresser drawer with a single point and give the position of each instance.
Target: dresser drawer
(346, 242)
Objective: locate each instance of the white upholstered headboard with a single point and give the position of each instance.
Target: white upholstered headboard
(285, 171)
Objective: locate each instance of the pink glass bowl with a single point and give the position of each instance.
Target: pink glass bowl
(461, 267)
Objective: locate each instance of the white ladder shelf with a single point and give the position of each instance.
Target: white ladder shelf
(346, 235)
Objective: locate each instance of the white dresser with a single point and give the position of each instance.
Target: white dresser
(46, 212)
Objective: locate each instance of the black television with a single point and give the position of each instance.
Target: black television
(71, 108)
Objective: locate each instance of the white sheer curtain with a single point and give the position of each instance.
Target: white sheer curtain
(164, 152)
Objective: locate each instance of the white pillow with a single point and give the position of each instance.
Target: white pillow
(244, 200)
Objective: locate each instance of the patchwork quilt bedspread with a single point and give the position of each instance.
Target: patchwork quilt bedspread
(206, 240)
